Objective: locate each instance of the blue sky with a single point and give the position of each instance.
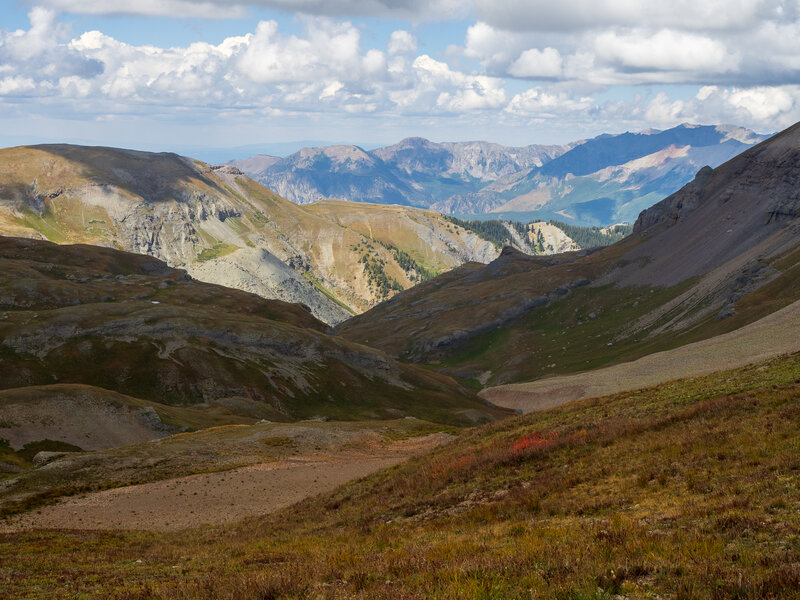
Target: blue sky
(262, 75)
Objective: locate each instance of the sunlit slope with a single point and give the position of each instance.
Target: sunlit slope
(720, 253)
(222, 227)
(685, 490)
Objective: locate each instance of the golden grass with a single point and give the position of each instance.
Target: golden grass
(686, 490)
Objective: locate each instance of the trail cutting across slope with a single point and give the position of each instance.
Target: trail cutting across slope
(771, 336)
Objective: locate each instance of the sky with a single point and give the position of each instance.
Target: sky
(241, 76)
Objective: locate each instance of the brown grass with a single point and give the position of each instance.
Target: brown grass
(686, 490)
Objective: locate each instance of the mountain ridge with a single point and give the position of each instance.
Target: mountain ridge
(716, 255)
(223, 227)
(536, 182)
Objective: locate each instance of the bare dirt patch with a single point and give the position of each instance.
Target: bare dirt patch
(223, 497)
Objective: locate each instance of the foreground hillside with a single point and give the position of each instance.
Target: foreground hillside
(686, 490)
(720, 253)
(222, 227)
(130, 324)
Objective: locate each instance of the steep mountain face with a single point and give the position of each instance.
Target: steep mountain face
(608, 179)
(130, 324)
(342, 171)
(476, 160)
(414, 172)
(605, 180)
(716, 255)
(222, 227)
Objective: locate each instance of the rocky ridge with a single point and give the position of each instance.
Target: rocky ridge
(608, 179)
(717, 255)
(222, 227)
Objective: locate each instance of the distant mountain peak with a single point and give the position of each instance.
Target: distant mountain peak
(617, 175)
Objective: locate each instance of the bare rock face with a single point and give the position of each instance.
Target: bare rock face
(222, 227)
(676, 206)
(398, 174)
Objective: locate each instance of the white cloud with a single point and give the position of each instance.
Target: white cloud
(579, 15)
(664, 50)
(415, 10)
(542, 103)
(402, 42)
(324, 69)
(459, 92)
(325, 72)
(12, 86)
(537, 63)
(327, 50)
(763, 108)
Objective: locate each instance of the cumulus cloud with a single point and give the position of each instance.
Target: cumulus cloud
(324, 69)
(415, 10)
(36, 56)
(402, 42)
(574, 15)
(542, 103)
(664, 51)
(535, 63)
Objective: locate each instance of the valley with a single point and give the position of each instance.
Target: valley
(447, 300)
(335, 257)
(509, 415)
(716, 255)
(640, 494)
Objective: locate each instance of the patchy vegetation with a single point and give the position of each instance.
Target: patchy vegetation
(491, 231)
(218, 250)
(593, 237)
(405, 261)
(382, 284)
(686, 490)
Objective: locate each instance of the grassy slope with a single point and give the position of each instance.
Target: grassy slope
(562, 337)
(100, 317)
(770, 336)
(686, 490)
(71, 194)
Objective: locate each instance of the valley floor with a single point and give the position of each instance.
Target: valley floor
(221, 497)
(768, 337)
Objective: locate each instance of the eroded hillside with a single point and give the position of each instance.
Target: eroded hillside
(131, 324)
(222, 227)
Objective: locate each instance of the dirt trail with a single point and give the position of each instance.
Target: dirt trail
(224, 497)
(775, 334)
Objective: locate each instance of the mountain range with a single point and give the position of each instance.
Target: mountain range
(222, 227)
(686, 487)
(335, 257)
(605, 180)
(714, 256)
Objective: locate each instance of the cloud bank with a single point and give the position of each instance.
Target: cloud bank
(561, 60)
